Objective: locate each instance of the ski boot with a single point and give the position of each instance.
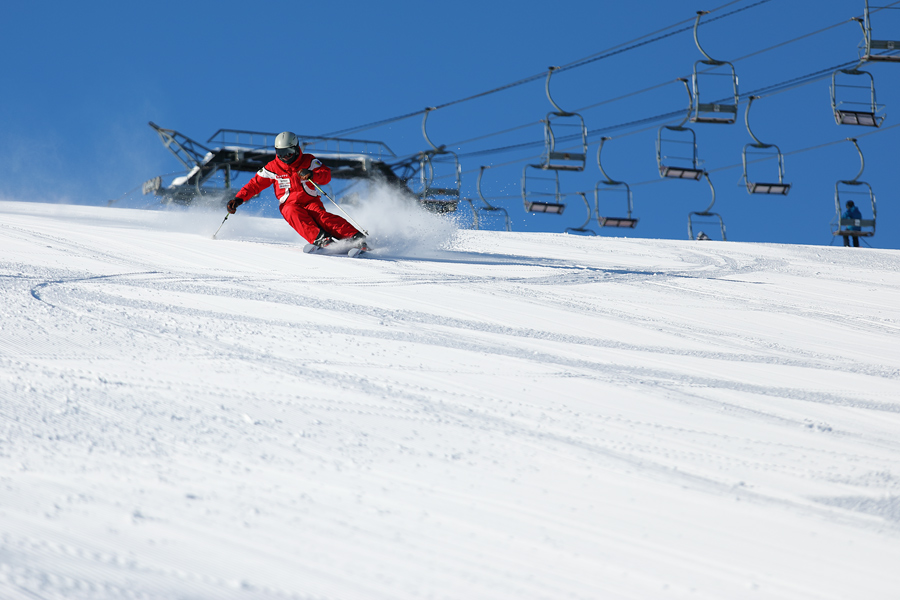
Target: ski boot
(323, 240)
(359, 241)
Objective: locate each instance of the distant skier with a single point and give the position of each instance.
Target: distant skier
(294, 174)
(852, 213)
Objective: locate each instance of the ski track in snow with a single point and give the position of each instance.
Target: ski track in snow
(516, 416)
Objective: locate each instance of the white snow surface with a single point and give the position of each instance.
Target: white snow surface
(459, 414)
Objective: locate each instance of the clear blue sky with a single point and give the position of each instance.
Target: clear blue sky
(83, 79)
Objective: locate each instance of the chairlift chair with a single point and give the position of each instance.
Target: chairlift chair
(854, 104)
(869, 48)
(706, 215)
(678, 166)
(754, 187)
(713, 112)
(531, 197)
(434, 198)
(610, 186)
(590, 213)
(553, 158)
(843, 190)
(488, 207)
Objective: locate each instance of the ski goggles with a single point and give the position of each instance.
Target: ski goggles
(287, 154)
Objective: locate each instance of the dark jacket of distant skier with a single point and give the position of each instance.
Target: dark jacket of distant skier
(852, 212)
(293, 174)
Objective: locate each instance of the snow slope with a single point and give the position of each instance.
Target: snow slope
(459, 415)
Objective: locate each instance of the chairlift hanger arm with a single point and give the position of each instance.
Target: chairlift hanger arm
(609, 180)
(425, 131)
(759, 144)
(560, 111)
(713, 190)
(690, 108)
(711, 60)
(862, 160)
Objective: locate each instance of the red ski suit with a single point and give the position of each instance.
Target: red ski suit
(298, 200)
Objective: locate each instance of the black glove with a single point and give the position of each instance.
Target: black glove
(233, 204)
(305, 174)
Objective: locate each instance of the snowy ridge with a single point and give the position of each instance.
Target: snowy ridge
(471, 415)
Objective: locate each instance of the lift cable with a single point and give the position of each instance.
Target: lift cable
(659, 85)
(615, 50)
(762, 92)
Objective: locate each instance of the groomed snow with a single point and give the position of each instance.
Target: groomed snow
(459, 415)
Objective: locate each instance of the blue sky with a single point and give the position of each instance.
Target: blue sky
(83, 79)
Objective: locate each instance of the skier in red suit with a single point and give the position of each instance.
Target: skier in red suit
(293, 174)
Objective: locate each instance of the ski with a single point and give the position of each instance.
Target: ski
(353, 252)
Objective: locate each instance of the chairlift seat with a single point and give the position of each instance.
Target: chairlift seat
(855, 117)
(769, 188)
(618, 222)
(555, 208)
(681, 172)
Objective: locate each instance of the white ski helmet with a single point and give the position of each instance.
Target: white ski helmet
(287, 146)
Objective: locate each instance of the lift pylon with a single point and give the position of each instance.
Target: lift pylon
(670, 156)
(854, 189)
(713, 112)
(610, 186)
(488, 207)
(872, 50)
(759, 147)
(439, 199)
(706, 215)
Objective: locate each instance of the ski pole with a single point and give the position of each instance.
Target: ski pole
(220, 226)
(355, 224)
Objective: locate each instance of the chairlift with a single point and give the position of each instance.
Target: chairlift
(547, 188)
(761, 148)
(854, 104)
(434, 198)
(706, 216)
(561, 119)
(853, 188)
(488, 207)
(675, 165)
(590, 213)
(870, 47)
(713, 112)
(610, 186)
